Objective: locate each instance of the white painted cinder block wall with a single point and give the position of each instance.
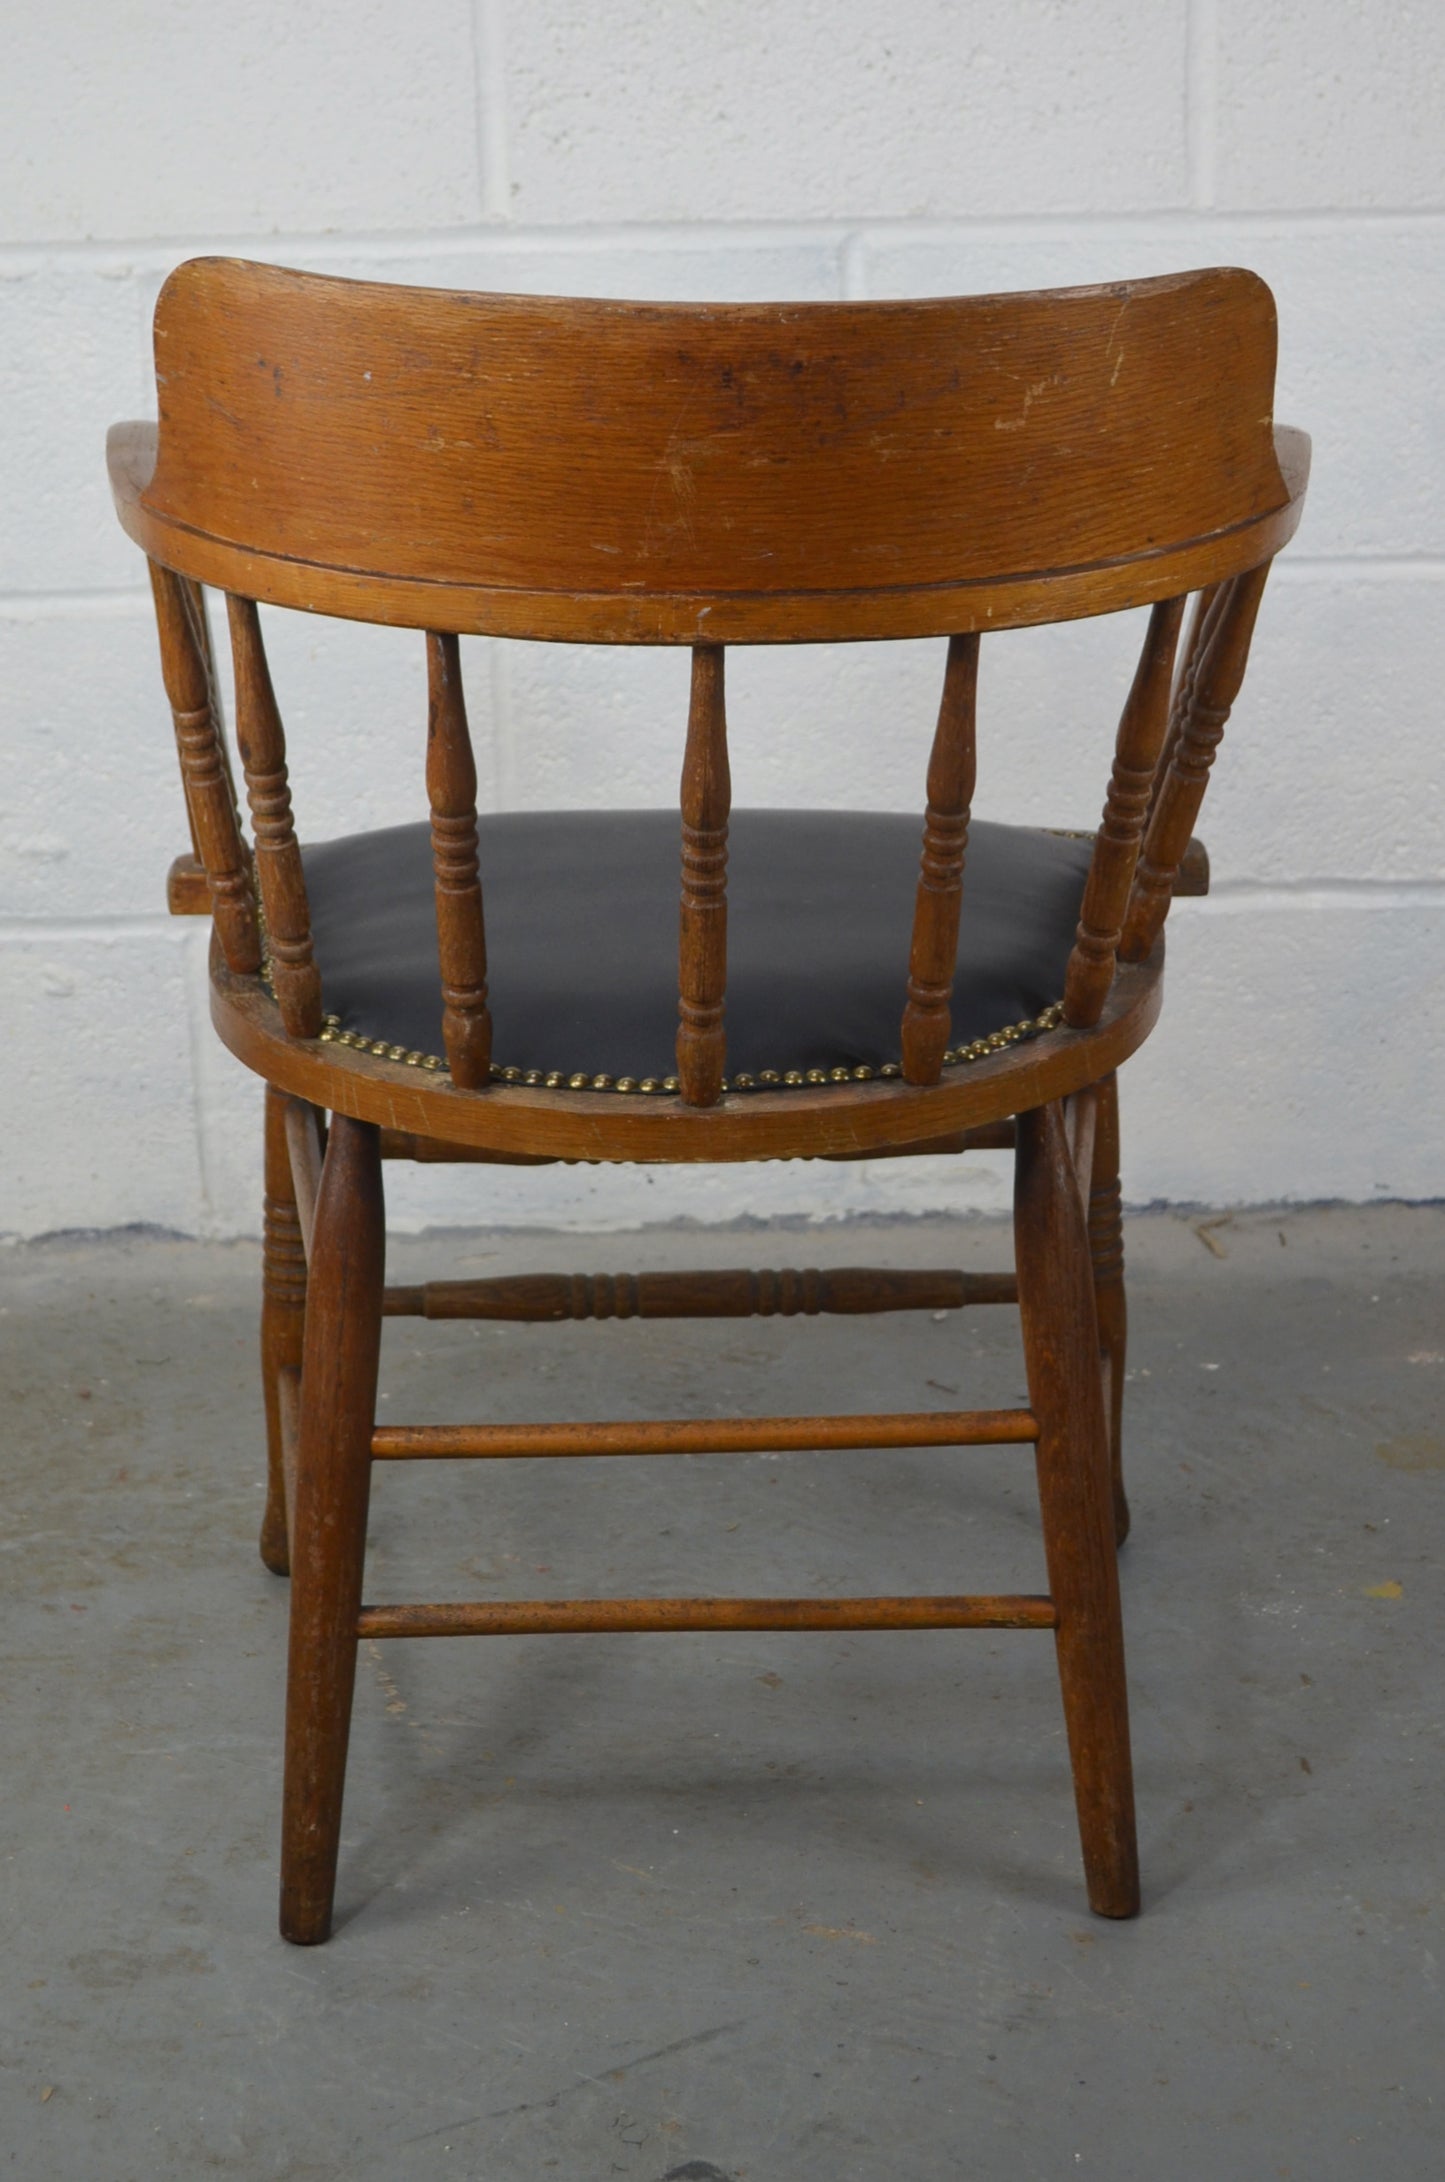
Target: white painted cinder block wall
(713, 148)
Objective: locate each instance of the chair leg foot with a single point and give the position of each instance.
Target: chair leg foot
(333, 1477)
(1106, 1253)
(283, 1322)
(1061, 1350)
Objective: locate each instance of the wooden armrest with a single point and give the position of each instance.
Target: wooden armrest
(1193, 870)
(187, 894)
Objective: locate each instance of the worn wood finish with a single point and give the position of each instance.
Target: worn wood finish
(703, 910)
(1126, 806)
(951, 769)
(338, 1404)
(210, 799)
(704, 1435)
(1061, 1353)
(451, 779)
(717, 473)
(1106, 1255)
(283, 1323)
(543, 1298)
(1213, 688)
(278, 858)
(578, 1617)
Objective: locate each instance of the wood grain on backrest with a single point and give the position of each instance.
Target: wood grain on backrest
(705, 474)
(699, 473)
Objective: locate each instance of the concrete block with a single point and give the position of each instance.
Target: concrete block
(91, 811)
(167, 119)
(73, 360)
(1325, 103)
(640, 112)
(1362, 324)
(100, 1109)
(1332, 766)
(1299, 1055)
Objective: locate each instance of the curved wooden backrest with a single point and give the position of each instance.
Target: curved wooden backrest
(682, 473)
(644, 473)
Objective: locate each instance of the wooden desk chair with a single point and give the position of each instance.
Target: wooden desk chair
(619, 473)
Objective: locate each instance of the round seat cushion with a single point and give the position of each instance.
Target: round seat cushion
(582, 937)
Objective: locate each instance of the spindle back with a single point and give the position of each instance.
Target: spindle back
(640, 473)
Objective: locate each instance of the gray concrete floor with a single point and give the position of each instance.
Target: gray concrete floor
(751, 1907)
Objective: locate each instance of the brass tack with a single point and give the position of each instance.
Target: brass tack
(649, 1083)
(794, 1075)
(533, 1075)
(670, 1083)
(602, 1083)
(862, 1075)
(840, 1075)
(553, 1079)
(769, 1076)
(890, 1068)
(627, 1083)
(745, 1082)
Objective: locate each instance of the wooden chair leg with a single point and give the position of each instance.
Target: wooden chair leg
(328, 1541)
(1061, 1351)
(283, 1323)
(1106, 1250)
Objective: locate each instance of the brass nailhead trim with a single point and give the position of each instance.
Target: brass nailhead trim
(766, 1079)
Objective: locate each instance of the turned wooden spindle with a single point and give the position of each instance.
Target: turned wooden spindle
(1207, 606)
(1126, 806)
(702, 922)
(951, 767)
(451, 782)
(1215, 685)
(210, 798)
(262, 741)
(549, 1298)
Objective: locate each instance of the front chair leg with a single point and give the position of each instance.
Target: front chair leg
(333, 1479)
(1061, 1352)
(1106, 1250)
(283, 1325)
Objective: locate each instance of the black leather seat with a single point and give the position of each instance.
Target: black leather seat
(581, 915)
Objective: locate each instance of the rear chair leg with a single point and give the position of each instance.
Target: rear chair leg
(1061, 1351)
(333, 1479)
(283, 1324)
(1106, 1250)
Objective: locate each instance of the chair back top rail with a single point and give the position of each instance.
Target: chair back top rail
(683, 473)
